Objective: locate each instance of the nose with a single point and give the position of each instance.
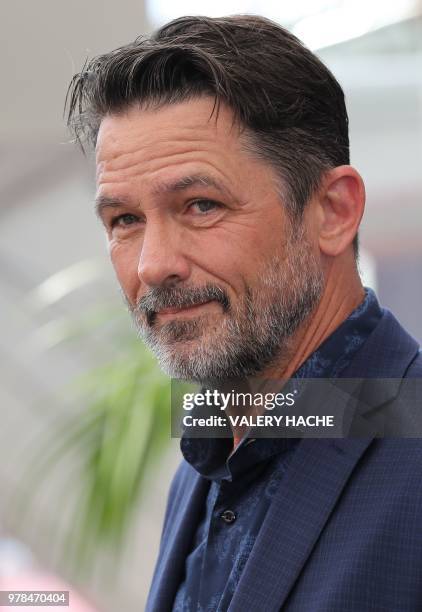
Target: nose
(161, 260)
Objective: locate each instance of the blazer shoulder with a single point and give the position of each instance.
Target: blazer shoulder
(389, 352)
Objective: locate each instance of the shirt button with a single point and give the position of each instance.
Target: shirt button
(228, 516)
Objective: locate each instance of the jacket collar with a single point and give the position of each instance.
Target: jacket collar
(382, 362)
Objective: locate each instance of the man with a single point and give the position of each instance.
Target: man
(232, 213)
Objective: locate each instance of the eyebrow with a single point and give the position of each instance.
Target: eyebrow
(102, 202)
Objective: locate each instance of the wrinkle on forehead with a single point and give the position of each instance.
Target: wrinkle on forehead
(176, 139)
(175, 167)
(168, 126)
(167, 150)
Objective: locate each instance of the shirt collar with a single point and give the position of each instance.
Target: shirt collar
(338, 350)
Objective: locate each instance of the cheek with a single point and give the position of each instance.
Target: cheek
(237, 251)
(213, 251)
(223, 257)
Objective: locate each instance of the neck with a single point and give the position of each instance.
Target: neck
(343, 292)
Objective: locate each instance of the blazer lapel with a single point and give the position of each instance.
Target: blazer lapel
(315, 479)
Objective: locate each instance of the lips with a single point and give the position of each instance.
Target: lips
(166, 311)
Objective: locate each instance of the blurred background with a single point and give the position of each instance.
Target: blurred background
(85, 456)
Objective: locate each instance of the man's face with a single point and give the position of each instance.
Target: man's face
(215, 276)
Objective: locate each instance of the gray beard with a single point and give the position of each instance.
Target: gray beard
(248, 337)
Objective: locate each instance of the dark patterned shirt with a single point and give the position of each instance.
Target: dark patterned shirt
(242, 484)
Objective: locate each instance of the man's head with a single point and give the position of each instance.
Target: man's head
(220, 148)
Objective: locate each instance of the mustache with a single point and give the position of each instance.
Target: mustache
(159, 298)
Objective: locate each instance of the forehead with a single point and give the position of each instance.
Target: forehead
(141, 149)
(177, 128)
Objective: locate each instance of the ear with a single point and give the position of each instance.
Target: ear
(341, 204)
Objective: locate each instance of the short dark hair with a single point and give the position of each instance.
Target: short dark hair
(290, 106)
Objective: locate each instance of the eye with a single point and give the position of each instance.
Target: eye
(124, 220)
(204, 206)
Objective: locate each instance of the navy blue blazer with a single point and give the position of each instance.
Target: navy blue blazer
(343, 533)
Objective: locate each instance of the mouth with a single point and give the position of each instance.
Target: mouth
(181, 311)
